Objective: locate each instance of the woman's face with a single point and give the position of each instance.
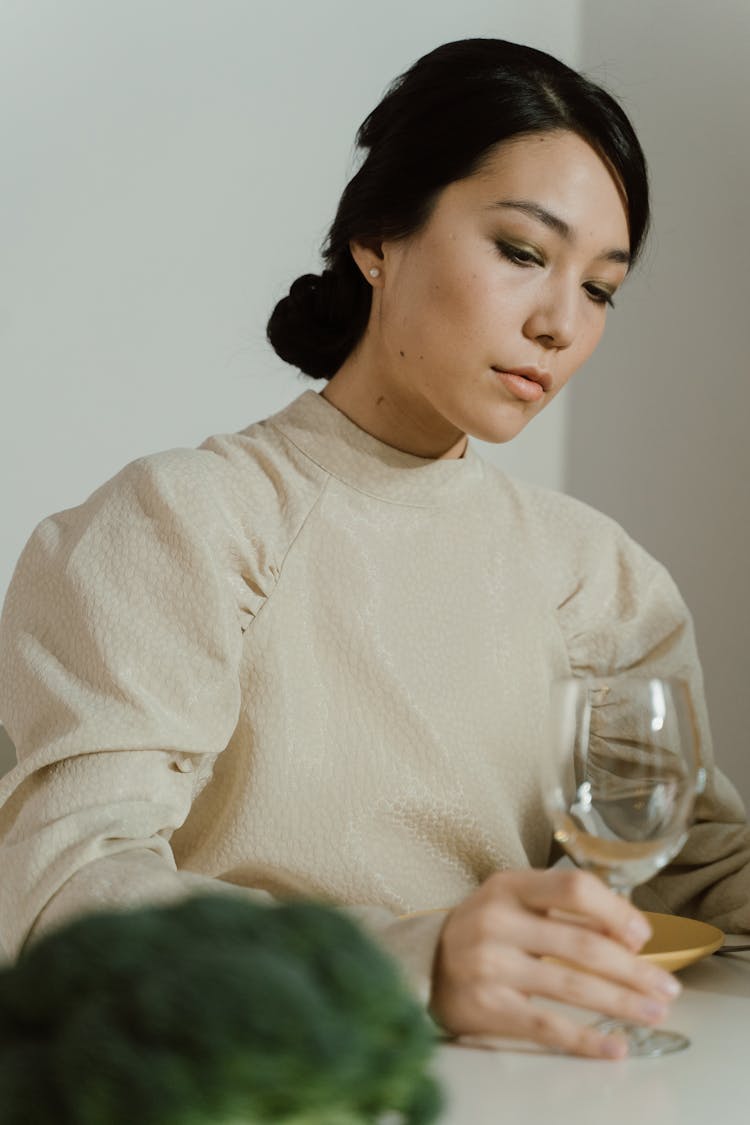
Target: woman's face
(512, 272)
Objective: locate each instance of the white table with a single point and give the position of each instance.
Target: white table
(707, 1084)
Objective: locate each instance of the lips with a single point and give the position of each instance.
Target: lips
(534, 374)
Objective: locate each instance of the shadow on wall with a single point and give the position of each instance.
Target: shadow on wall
(7, 752)
(657, 432)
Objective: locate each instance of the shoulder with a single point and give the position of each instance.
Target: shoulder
(573, 526)
(250, 470)
(616, 605)
(571, 545)
(550, 514)
(230, 509)
(238, 483)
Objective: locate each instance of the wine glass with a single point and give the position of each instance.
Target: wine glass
(625, 771)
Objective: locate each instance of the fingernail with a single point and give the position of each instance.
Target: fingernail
(668, 985)
(638, 931)
(614, 1047)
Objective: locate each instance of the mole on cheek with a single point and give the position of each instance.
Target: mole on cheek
(381, 398)
(401, 354)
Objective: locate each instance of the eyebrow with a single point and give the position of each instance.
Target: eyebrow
(555, 223)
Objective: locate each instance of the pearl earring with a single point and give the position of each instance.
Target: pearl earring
(374, 272)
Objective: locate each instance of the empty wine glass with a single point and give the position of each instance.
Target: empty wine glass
(625, 771)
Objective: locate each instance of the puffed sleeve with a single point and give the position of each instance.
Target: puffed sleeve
(120, 645)
(119, 648)
(620, 610)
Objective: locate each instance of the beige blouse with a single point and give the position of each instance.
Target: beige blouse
(297, 661)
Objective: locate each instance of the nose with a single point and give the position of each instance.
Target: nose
(552, 320)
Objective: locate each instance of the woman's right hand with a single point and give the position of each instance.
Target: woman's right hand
(489, 965)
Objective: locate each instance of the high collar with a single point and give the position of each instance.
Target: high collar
(339, 446)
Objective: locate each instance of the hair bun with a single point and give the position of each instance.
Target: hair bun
(316, 326)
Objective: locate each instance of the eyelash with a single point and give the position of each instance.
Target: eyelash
(521, 257)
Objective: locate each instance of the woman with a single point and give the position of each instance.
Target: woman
(308, 658)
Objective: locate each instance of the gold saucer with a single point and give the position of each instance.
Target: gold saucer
(677, 942)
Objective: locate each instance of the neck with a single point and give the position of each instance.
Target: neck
(389, 414)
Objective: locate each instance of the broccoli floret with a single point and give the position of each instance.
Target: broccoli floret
(213, 1011)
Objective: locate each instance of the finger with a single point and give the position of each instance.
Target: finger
(584, 990)
(519, 1018)
(584, 894)
(592, 951)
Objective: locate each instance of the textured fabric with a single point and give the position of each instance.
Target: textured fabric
(298, 661)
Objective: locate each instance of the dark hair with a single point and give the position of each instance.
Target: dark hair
(437, 124)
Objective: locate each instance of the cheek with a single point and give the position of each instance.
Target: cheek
(596, 332)
(473, 306)
(441, 310)
(589, 336)
(574, 358)
(452, 277)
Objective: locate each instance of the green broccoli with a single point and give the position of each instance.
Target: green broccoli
(213, 1011)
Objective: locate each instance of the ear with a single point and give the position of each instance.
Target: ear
(369, 257)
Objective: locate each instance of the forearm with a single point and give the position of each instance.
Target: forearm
(710, 878)
(135, 877)
(411, 939)
(139, 876)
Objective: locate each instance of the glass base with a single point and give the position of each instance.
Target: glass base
(644, 1042)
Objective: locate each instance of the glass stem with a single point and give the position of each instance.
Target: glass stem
(605, 874)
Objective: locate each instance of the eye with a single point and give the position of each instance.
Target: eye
(599, 296)
(523, 257)
(517, 254)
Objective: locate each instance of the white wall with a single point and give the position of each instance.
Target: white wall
(658, 425)
(170, 165)
(168, 169)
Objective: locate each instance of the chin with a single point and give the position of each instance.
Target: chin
(497, 431)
